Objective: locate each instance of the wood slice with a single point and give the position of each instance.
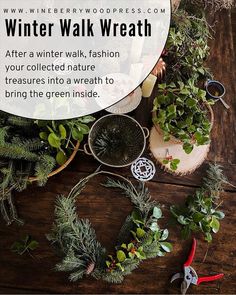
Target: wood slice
(188, 162)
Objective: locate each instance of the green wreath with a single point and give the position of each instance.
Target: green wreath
(140, 237)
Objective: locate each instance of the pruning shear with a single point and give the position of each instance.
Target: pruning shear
(189, 275)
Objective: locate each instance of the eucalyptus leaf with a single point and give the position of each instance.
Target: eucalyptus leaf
(166, 246)
(157, 213)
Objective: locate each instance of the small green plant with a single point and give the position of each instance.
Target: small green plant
(61, 135)
(187, 49)
(26, 245)
(181, 112)
(144, 235)
(201, 213)
(172, 162)
(169, 160)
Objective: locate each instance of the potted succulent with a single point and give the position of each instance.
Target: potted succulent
(182, 114)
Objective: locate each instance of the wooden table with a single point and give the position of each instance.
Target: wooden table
(107, 210)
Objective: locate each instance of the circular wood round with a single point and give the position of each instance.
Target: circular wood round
(188, 162)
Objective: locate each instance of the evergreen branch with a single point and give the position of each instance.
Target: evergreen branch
(20, 121)
(43, 168)
(214, 180)
(33, 144)
(11, 151)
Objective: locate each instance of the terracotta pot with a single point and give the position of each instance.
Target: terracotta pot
(175, 4)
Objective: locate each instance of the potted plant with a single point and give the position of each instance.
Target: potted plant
(187, 48)
(182, 114)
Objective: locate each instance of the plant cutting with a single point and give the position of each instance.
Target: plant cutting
(26, 245)
(181, 113)
(62, 135)
(140, 237)
(200, 212)
(187, 48)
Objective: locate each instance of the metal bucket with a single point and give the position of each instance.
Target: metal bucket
(116, 140)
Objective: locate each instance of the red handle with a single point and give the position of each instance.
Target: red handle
(209, 279)
(192, 253)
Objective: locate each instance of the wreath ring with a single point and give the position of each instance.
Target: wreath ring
(140, 237)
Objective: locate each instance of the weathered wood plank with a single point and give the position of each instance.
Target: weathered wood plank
(107, 211)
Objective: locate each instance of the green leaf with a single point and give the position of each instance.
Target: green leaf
(181, 219)
(219, 214)
(120, 255)
(197, 217)
(43, 135)
(157, 213)
(61, 158)
(54, 140)
(131, 255)
(160, 253)
(215, 225)
(191, 102)
(176, 161)
(171, 109)
(130, 246)
(157, 235)
(164, 235)
(140, 255)
(120, 266)
(184, 91)
(25, 245)
(77, 134)
(33, 245)
(62, 131)
(188, 148)
(154, 227)
(140, 233)
(166, 246)
(137, 217)
(208, 237)
(83, 128)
